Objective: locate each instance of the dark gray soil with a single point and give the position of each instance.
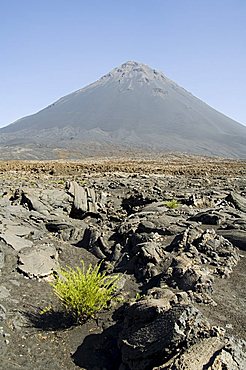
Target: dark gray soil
(230, 296)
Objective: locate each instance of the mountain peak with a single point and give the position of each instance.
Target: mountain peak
(132, 70)
(133, 106)
(131, 63)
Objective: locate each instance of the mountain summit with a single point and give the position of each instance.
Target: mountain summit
(131, 107)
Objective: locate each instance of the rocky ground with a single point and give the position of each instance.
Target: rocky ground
(182, 287)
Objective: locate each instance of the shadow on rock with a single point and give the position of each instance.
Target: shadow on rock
(99, 351)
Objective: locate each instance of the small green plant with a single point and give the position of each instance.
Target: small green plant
(171, 204)
(82, 292)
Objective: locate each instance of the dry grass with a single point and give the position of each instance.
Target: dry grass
(169, 165)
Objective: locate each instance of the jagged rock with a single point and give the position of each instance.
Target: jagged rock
(162, 224)
(57, 226)
(93, 241)
(154, 332)
(135, 201)
(84, 202)
(154, 207)
(96, 250)
(189, 263)
(39, 261)
(237, 200)
(80, 199)
(197, 257)
(147, 309)
(127, 227)
(151, 252)
(116, 254)
(67, 230)
(159, 253)
(188, 279)
(38, 218)
(91, 201)
(12, 212)
(218, 250)
(232, 356)
(146, 226)
(236, 237)
(208, 248)
(146, 259)
(19, 230)
(92, 234)
(199, 200)
(196, 357)
(33, 203)
(104, 245)
(207, 218)
(164, 294)
(57, 199)
(15, 242)
(144, 239)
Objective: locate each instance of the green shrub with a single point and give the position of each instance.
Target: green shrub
(82, 292)
(171, 204)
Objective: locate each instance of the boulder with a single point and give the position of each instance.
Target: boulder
(237, 200)
(207, 218)
(38, 262)
(15, 242)
(210, 353)
(66, 230)
(84, 200)
(236, 237)
(33, 203)
(155, 331)
(198, 256)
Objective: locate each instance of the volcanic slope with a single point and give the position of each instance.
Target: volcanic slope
(132, 107)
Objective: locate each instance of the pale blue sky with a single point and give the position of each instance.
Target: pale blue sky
(50, 48)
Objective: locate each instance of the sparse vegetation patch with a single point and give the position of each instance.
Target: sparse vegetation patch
(83, 293)
(172, 204)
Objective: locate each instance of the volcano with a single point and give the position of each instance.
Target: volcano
(134, 107)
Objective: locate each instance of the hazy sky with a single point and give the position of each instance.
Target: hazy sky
(50, 48)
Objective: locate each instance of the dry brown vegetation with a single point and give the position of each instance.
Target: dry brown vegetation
(169, 165)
